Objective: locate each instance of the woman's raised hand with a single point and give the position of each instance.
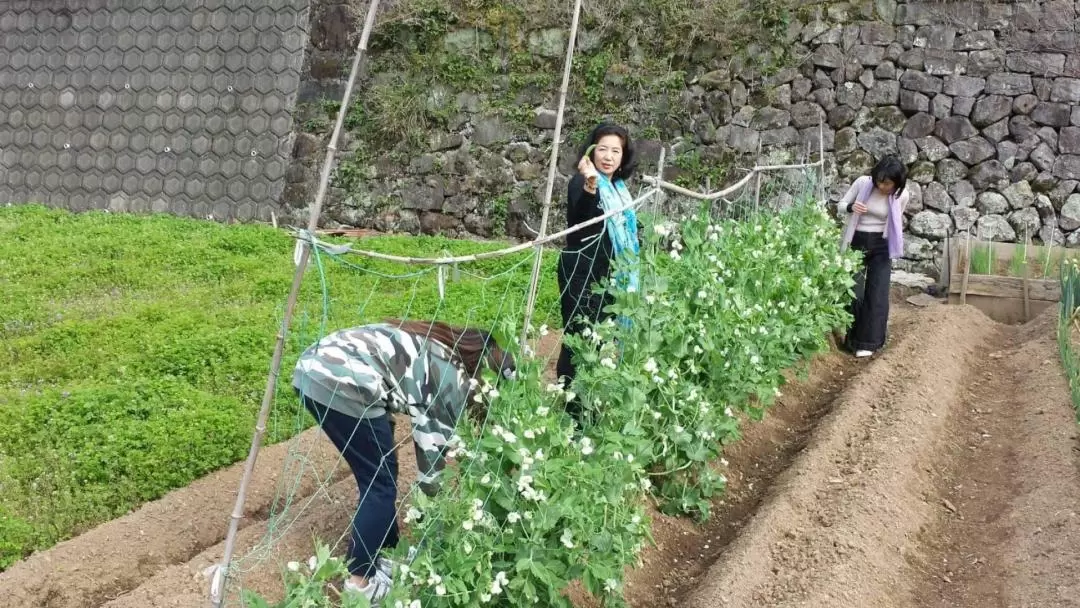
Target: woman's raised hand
(586, 168)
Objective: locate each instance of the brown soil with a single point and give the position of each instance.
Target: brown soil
(1008, 527)
(942, 473)
(947, 474)
(122, 554)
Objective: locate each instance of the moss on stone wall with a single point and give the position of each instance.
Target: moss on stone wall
(433, 61)
(458, 102)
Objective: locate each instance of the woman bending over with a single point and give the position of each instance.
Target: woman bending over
(353, 380)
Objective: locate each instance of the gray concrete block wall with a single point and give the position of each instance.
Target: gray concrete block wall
(180, 106)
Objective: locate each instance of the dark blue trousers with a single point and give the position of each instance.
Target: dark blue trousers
(367, 445)
(870, 308)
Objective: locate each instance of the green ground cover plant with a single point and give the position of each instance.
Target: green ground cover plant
(134, 350)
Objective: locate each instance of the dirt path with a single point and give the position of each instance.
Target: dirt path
(947, 474)
(1009, 532)
(944, 473)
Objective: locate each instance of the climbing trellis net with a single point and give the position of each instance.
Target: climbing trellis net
(511, 291)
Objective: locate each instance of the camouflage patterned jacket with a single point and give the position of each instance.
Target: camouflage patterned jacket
(367, 371)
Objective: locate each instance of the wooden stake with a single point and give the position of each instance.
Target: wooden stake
(966, 261)
(221, 572)
(757, 186)
(1027, 287)
(553, 162)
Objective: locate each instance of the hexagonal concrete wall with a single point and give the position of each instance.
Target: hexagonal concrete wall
(149, 105)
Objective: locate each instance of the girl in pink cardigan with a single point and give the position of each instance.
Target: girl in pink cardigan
(876, 203)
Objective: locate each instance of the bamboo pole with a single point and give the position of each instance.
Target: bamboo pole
(220, 577)
(553, 162)
(821, 155)
(757, 186)
(1027, 283)
(966, 261)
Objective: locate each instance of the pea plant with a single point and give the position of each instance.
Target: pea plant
(535, 507)
(724, 308)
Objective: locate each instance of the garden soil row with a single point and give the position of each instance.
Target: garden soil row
(947, 474)
(118, 556)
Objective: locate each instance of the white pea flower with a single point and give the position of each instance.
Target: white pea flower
(650, 366)
(413, 514)
(567, 538)
(586, 446)
(293, 566)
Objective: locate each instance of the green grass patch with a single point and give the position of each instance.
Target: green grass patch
(982, 255)
(134, 350)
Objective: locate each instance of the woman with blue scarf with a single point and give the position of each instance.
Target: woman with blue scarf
(599, 187)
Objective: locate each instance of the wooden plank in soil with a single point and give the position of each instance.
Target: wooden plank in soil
(1010, 287)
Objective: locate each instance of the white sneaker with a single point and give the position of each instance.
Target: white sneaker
(387, 565)
(377, 588)
(862, 354)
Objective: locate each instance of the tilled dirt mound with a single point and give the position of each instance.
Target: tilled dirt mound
(264, 547)
(947, 474)
(838, 524)
(1007, 531)
(122, 554)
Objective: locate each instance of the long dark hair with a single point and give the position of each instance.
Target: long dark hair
(890, 168)
(470, 347)
(629, 157)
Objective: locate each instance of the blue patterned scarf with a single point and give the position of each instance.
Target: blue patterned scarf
(621, 228)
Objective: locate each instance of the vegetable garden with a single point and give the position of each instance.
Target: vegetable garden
(725, 307)
(133, 355)
(650, 504)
